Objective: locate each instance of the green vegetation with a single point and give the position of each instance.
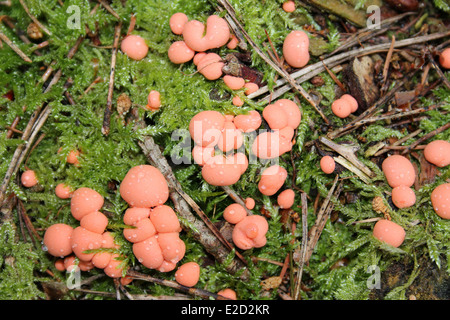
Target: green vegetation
(25, 268)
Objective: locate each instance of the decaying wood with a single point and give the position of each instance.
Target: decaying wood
(360, 81)
(234, 67)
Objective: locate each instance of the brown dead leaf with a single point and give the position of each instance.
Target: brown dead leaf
(271, 283)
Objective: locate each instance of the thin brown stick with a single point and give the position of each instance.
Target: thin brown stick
(387, 64)
(132, 24)
(89, 88)
(15, 48)
(426, 137)
(109, 9)
(172, 284)
(322, 217)
(108, 109)
(304, 246)
(236, 198)
(399, 142)
(228, 7)
(335, 79)
(44, 28)
(310, 71)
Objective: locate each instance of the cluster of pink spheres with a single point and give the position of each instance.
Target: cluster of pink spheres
(212, 131)
(155, 227)
(195, 45)
(154, 230)
(400, 175)
(69, 244)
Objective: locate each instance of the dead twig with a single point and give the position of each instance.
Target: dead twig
(109, 99)
(40, 25)
(298, 280)
(426, 137)
(228, 7)
(322, 217)
(109, 9)
(15, 48)
(172, 284)
(387, 63)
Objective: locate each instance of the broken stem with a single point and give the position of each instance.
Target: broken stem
(280, 71)
(108, 109)
(15, 48)
(348, 152)
(172, 284)
(426, 137)
(304, 246)
(40, 25)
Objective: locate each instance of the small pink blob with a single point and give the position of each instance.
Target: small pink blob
(341, 108)
(403, 197)
(134, 47)
(295, 49)
(389, 232)
(177, 22)
(29, 178)
(179, 52)
(63, 191)
(444, 58)
(327, 164)
(154, 100)
(289, 6)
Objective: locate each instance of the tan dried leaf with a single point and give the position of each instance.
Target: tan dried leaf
(271, 283)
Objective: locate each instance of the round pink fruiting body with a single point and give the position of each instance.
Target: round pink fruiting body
(327, 164)
(134, 47)
(29, 178)
(177, 22)
(295, 49)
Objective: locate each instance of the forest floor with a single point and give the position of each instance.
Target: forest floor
(66, 84)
